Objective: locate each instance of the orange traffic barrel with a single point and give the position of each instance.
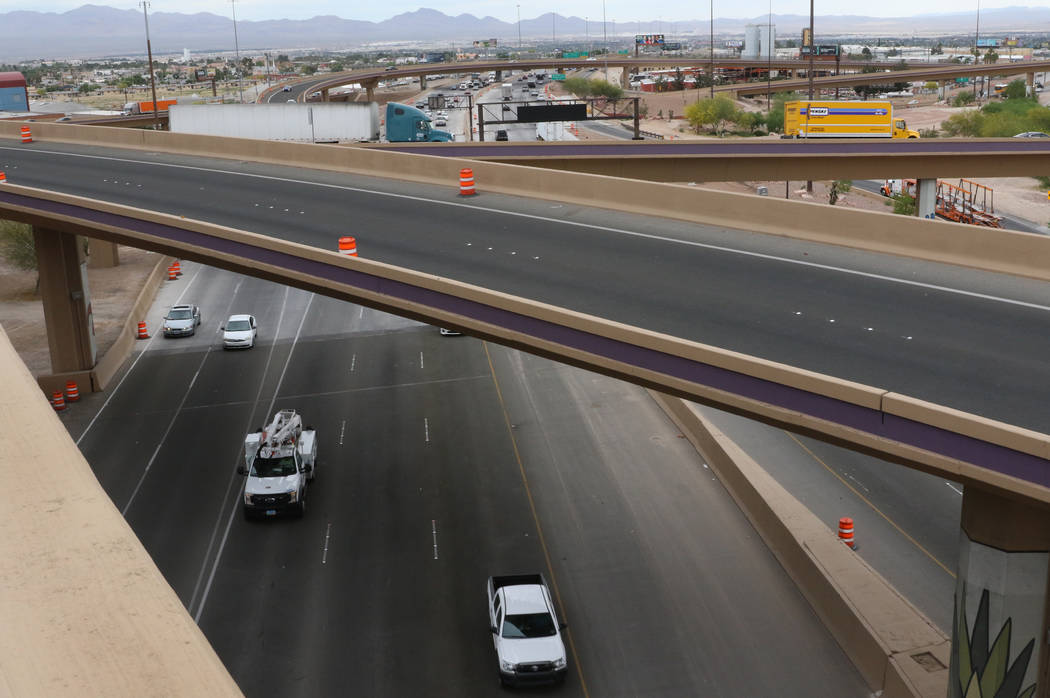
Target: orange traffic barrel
(348, 246)
(172, 274)
(27, 135)
(466, 182)
(57, 401)
(3, 177)
(142, 332)
(72, 392)
(846, 532)
(177, 268)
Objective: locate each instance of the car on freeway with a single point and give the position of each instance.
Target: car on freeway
(501, 135)
(239, 332)
(182, 320)
(391, 67)
(1032, 134)
(421, 105)
(286, 88)
(440, 121)
(291, 101)
(535, 93)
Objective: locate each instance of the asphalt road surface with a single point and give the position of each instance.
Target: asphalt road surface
(969, 340)
(441, 461)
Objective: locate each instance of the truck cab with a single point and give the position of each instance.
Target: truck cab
(901, 130)
(279, 462)
(405, 124)
(525, 630)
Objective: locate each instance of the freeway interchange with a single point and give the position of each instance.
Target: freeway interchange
(455, 452)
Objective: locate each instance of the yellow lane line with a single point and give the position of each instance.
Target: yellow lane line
(535, 517)
(874, 508)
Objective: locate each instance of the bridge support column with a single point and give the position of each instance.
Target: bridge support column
(1030, 84)
(942, 89)
(926, 198)
(102, 254)
(1001, 597)
(67, 300)
(499, 76)
(422, 82)
(324, 94)
(370, 88)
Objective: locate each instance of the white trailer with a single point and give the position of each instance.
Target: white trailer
(507, 90)
(311, 123)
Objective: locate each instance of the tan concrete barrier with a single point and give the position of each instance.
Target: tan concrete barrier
(938, 241)
(85, 610)
(893, 645)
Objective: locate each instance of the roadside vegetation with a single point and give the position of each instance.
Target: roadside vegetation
(16, 245)
(587, 89)
(1014, 114)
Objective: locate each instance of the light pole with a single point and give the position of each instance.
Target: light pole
(149, 53)
(712, 49)
(605, 43)
(519, 28)
(237, 49)
(770, 45)
(976, 51)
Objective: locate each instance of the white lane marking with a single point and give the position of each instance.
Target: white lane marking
(954, 488)
(269, 410)
(353, 362)
(123, 378)
(859, 483)
(549, 219)
(426, 429)
(342, 431)
(327, 535)
(421, 359)
(434, 533)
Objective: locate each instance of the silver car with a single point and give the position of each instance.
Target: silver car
(182, 320)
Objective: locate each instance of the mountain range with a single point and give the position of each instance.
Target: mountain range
(100, 31)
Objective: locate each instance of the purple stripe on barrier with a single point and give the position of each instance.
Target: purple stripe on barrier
(791, 148)
(965, 448)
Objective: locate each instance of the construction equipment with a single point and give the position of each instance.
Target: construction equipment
(967, 202)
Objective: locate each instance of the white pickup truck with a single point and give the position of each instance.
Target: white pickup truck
(279, 461)
(525, 630)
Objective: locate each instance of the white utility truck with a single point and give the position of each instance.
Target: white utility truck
(525, 630)
(507, 91)
(279, 462)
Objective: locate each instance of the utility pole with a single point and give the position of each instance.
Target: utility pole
(149, 53)
(976, 51)
(519, 29)
(809, 72)
(237, 49)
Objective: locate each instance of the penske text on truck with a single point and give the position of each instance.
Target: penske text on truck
(806, 119)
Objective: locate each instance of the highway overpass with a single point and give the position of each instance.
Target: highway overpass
(987, 400)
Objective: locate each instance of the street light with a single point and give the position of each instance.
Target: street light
(149, 53)
(519, 28)
(976, 41)
(237, 49)
(712, 49)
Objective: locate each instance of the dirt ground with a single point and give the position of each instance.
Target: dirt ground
(113, 292)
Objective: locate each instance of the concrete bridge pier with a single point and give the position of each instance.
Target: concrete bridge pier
(1000, 630)
(324, 94)
(1030, 84)
(942, 89)
(422, 82)
(499, 76)
(370, 88)
(102, 254)
(926, 198)
(62, 264)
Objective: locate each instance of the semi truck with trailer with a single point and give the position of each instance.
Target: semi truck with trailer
(507, 91)
(813, 119)
(280, 461)
(525, 630)
(310, 123)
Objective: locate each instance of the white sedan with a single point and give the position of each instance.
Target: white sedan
(239, 332)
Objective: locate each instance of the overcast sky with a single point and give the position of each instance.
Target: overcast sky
(616, 10)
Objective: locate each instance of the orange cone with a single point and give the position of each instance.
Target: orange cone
(348, 246)
(177, 268)
(3, 177)
(172, 274)
(466, 182)
(142, 332)
(72, 392)
(57, 401)
(846, 532)
(27, 135)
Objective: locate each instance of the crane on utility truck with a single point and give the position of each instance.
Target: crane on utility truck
(279, 462)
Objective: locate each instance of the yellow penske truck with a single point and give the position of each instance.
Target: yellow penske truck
(806, 119)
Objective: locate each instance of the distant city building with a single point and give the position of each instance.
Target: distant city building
(759, 41)
(185, 55)
(14, 95)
